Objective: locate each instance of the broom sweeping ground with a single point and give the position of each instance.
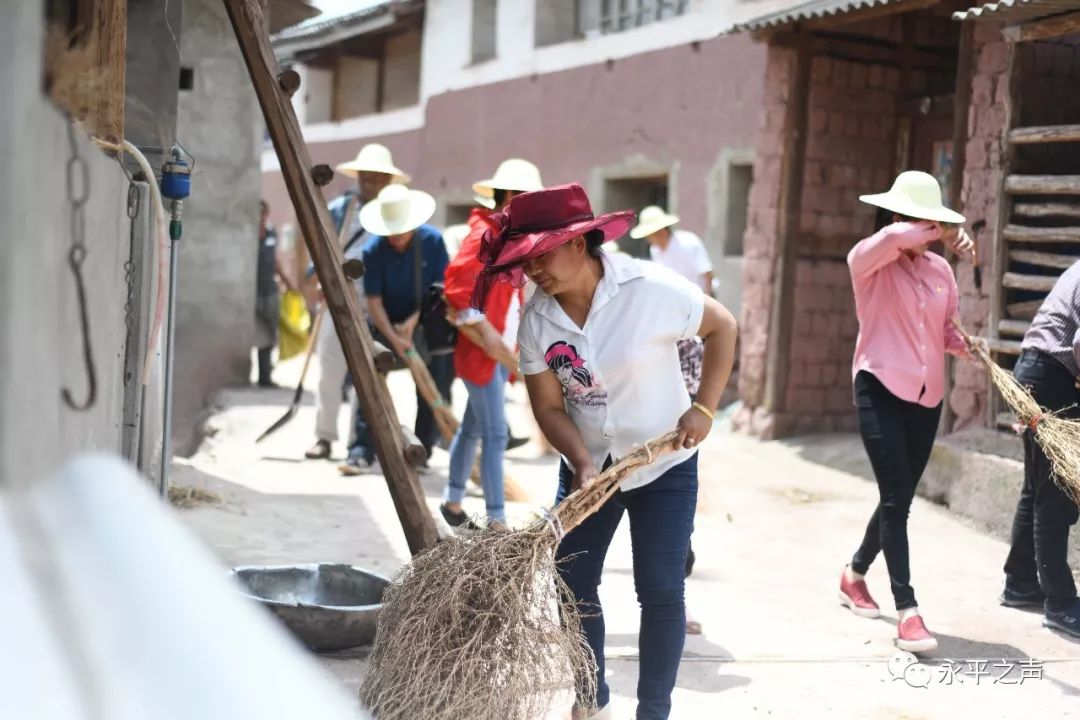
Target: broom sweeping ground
(1059, 437)
(482, 627)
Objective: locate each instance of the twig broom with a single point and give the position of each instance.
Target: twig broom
(482, 626)
(1058, 436)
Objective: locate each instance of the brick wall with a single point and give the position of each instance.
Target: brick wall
(982, 180)
(1050, 72)
(849, 151)
(760, 244)
(850, 133)
(822, 344)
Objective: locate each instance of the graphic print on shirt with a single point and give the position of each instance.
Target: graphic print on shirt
(579, 385)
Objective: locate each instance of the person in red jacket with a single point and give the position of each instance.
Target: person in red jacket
(485, 356)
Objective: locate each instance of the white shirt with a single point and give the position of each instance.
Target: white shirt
(685, 254)
(621, 377)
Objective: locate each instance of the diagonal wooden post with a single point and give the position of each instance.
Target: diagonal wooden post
(248, 22)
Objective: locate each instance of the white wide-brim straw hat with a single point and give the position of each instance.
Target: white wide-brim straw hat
(650, 220)
(397, 210)
(482, 201)
(373, 157)
(514, 174)
(915, 194)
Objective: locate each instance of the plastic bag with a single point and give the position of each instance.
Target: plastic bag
(294, 323)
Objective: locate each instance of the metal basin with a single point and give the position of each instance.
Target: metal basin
(327, 606)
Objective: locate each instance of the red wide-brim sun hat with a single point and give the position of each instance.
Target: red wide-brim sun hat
(538, 222)
(535, 223)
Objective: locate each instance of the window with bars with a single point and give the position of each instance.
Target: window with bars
(620, 15)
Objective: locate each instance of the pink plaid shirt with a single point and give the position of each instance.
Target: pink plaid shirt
(904, 307)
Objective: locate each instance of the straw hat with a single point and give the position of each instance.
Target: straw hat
(650, 220)
(396, 211)
(373, 157)
(915, 194)
(514, 174)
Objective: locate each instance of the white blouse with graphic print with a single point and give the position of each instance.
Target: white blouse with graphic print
(620, 373)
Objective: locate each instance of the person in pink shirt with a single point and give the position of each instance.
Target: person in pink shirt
(906, 300)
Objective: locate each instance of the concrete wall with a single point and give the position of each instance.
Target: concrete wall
(40, 332)
(220, 123)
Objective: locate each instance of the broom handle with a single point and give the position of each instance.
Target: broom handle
(583, 502)
(974, 349)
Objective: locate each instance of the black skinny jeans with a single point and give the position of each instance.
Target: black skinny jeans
(898, 436)
(1038, 557)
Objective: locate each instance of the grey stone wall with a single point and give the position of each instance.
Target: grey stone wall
(219, 122)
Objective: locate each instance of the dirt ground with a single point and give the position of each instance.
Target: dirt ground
(774, 528)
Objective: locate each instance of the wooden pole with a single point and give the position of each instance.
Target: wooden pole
(316, 226)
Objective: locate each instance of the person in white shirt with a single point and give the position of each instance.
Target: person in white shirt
(373, 169)
(680, 250)
(597, 348)
(683, 252)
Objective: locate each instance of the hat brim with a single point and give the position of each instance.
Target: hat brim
(484, 201)
(646, 229)
(902, 205)
(421, 208)
(523, 248)
(353, 168)
(487, 188)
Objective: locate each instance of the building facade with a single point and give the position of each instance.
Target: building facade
(647, 105)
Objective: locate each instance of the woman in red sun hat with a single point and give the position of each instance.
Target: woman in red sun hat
(598, 352)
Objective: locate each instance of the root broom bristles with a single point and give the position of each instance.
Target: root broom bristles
(482, 627)
(1059, 437)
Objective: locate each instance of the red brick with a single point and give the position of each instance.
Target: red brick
(819, 120)
(892, 79)
(859, 73)
(875, 76)
(836, 123)
(820, 69)
(841, 73)
(993, 57)
(851, 125)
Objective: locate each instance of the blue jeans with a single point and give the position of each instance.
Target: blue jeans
(661, 520)
(441, 368)
(485, 419)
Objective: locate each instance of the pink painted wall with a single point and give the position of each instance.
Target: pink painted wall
(680, 106)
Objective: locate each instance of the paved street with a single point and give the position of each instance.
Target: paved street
(774, 528)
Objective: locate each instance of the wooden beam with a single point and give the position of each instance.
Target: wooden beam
(1014, 328)
(316, 227)
(1042, 259)
(1043, 184)
(1007, 347)
(1024, 234)
(415, 452)
(1045, 134)
(793, 161)
(1037, 283)
(107, 41)
(1044, 28)
(1046, 210)
(1024, 310)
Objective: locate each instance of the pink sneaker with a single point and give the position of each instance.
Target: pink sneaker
(856, 596)
(912, 636)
